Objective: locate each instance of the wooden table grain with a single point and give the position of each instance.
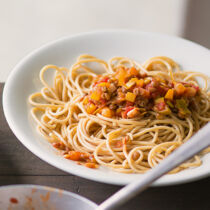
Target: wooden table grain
(20, 166)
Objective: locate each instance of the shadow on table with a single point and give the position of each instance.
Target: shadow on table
(9, 148)
(192, 196)
(16, 162)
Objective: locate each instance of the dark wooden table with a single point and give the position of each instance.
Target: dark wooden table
(20, 166)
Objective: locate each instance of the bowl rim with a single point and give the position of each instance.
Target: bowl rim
(51, 189)
(39, 154)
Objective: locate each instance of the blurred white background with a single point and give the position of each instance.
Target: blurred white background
(28, 24)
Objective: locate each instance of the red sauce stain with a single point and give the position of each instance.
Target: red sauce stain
(13, 200)
(60, 192)
(33, 190)
(46, 197)
(29, 199)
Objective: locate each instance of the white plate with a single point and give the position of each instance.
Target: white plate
(19, 197)
(140, 46)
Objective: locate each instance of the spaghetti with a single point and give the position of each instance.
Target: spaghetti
(128, 119)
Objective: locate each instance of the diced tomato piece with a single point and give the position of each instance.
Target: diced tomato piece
(129, 108)
(128, 103)
(124, 114)
(99, 80)
(144, 93)
(59, 145)
(121, 96)
(103, 101)
(133, 113)
(150, 88)
(95, 83)
(103, 84)
(154, 95)
(196, 87)
(171, 85)
(105, 79)
(161, 106)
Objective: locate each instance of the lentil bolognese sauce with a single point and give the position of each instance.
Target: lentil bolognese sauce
(129, 118)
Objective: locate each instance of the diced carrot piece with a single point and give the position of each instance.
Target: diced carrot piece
(140, 82)
(91, 108)
(84, 156)
(104, 84)
(106, 112)
(96, 95)
(170, 94)
(121, 75)
(130, 97)
(131, 83)
(73, 155)
(190, 92)
(92, 159)
(179, 88)
(133, 71)
(91, 165)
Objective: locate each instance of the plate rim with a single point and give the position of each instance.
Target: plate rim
(39, 154)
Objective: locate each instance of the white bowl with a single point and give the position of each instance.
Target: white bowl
(19, 197)
(140, 46)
